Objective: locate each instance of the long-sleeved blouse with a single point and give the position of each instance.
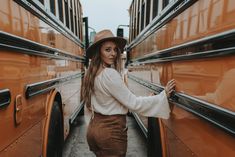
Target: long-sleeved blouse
(111, 96)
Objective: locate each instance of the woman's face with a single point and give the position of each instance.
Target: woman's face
(108, 52)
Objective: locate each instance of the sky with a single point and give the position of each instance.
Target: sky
(107, 14)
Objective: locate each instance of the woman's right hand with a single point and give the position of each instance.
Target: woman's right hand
(170, 86)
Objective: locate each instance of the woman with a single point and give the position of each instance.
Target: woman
(109, 100)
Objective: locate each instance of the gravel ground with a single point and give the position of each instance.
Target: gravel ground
(76, 144)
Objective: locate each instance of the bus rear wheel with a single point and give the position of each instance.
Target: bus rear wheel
(55, 132)
(154, 138)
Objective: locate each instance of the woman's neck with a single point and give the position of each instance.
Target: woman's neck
(103, 65)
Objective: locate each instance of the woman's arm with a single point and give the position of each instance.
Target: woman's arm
(154, 106)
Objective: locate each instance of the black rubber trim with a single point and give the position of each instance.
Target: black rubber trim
(45, 86)
(198, 49)
(5, 98)
(22, 45)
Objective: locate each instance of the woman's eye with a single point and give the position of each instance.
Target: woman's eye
(111, 49)
(108, 50)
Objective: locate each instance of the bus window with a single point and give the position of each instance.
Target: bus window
(75, 18)
(135, 20)
(138, 23)
(66, 13)
(148, 4)
(142, 15)
(52, 6)
(155, 8)
(165, 3)
(138, 18)
(42, 1)
(79, 21)
(71, 15)
(60, 7)
(131, 23)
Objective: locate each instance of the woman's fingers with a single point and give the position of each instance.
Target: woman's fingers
(170, 87)
(171, 84)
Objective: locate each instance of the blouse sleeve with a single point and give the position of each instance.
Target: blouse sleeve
(150, 106)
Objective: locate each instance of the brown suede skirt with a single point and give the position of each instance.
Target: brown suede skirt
(107, 135)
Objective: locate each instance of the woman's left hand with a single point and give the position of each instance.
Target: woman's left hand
(170, 86)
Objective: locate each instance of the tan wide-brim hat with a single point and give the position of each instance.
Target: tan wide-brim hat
(102, 36)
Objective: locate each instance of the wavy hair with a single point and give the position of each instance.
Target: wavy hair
(89, 79)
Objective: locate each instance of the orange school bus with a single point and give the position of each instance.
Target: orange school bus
(41, 66)
(191, 41)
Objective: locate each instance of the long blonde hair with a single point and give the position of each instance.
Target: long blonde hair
(89, 79)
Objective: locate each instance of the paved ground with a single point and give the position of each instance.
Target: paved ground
(76, 145)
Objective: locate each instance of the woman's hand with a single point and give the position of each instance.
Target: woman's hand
(170, 86)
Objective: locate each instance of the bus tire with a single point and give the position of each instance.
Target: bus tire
(55, 132)
(154, 138)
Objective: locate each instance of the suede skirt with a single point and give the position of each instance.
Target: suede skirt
(107, 135)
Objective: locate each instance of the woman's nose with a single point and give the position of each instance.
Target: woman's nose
(113, 52)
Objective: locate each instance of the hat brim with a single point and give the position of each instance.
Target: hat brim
(121, 43)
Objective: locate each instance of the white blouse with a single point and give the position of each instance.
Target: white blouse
(112, 97)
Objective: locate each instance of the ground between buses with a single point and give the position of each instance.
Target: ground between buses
(41, 65)
(191, 41)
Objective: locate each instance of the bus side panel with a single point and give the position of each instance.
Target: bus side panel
(203, 27)
(19, 69)
(15, 74)
(184, 131)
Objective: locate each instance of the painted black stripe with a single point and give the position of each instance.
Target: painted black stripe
(217, 45)
(45, 86)
(5, 97)
(219, 116)
(36, 8)
(12, 42)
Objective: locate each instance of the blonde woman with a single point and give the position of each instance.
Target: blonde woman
(108, 99)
